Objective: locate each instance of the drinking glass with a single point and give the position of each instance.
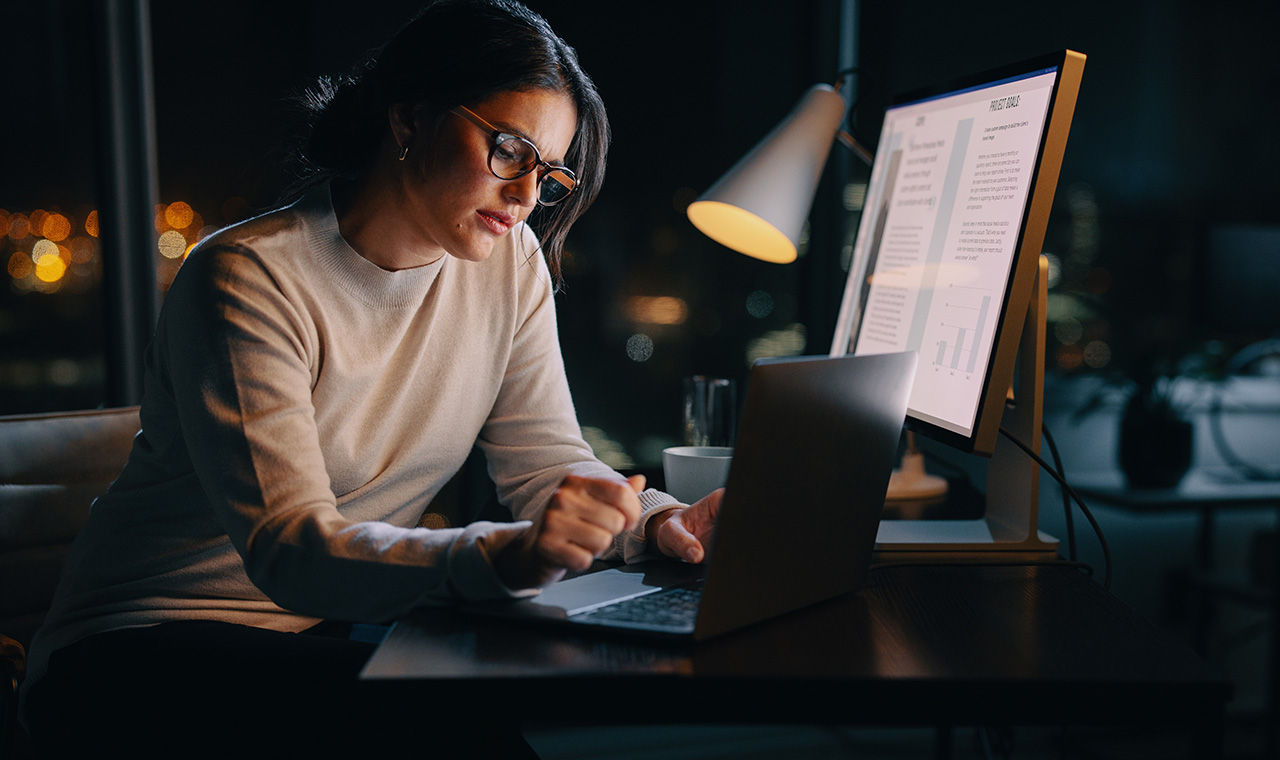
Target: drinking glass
(710, 408)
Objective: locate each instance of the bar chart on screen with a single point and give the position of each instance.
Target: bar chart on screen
(965, 312)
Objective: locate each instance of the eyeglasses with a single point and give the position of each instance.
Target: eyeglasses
(512, 157)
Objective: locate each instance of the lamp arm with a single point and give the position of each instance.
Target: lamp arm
(843, 74)
(847, 139)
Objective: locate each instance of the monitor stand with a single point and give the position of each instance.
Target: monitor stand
(1010, 524)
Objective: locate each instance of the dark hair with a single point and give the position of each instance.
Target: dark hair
(456, 52)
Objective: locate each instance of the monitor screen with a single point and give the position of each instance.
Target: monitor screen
(957, 195)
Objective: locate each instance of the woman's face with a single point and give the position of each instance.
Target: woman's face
(453, 202)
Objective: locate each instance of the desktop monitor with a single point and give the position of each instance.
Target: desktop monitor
(946, 255)
(947, 262)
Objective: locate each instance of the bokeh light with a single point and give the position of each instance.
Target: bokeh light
(82, 250)
(19, 226)
(43, 248)
(657, 310)
(179, 215)
(50, 251)
(759, 304)
(64, 372)
(854, 196)
(1068, 331)
(789, 341)
(639, 348)
(1055, 268)
(172, 244)
(35, 222)
(161, 220)
(20, 265)
(50, 267)
(1069, 357)
(606, 449)
(56, 227)
(1097, 354)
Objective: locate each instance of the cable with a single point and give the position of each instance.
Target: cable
(1066, 501)
(1106, 551)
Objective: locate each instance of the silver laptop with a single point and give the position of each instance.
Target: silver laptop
(816, 445)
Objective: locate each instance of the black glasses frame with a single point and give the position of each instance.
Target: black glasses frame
(499, 137)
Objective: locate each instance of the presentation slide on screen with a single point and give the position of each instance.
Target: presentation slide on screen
(941, 222)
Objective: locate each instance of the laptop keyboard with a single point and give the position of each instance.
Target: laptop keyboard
(674, 608)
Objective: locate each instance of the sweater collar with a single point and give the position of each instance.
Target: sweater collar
(371, 284)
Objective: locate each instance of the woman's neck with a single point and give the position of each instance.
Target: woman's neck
(371, 220)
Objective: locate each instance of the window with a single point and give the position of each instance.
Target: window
(51, 322)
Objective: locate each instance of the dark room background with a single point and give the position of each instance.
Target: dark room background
(1164, 241)
(1173, 140)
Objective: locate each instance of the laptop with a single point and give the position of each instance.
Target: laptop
(817, 442)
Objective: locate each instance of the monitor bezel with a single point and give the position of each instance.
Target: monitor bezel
(998, 378)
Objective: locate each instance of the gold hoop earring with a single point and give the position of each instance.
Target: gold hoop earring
(404, 151)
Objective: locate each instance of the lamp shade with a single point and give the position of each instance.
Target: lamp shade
(760, 205)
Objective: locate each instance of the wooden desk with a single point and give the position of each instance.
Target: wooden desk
(920, 645)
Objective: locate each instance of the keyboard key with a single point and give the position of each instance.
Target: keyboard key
(669, 608)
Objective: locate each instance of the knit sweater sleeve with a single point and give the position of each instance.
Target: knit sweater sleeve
(532, 439)
(236, 355)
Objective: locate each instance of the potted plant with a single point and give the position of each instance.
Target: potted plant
(1156, 434)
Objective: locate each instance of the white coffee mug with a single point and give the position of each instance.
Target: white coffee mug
(692, 472)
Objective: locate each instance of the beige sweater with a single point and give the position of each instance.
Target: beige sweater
(302, 409)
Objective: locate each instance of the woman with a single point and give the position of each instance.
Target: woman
(320, 372)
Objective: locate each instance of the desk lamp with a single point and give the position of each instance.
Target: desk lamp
(760, 206)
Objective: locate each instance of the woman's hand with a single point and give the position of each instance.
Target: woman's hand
(686, 533)
(576, 527)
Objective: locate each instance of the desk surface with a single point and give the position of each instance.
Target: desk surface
(1201, 487)
(918, 644)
